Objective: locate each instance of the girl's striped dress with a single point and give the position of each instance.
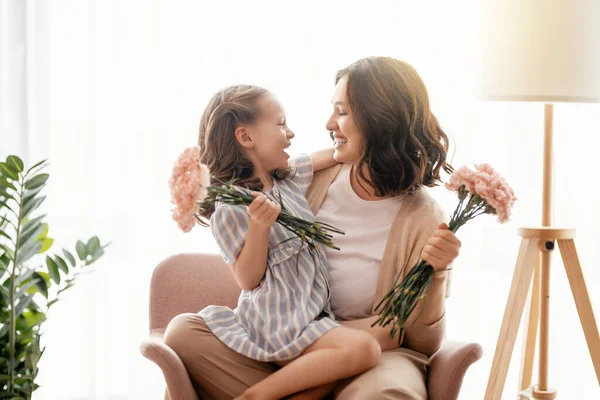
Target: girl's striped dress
(289, 309)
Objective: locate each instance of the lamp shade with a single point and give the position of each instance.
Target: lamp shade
(539, 50)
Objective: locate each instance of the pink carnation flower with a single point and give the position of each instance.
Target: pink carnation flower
(188, 184)
(488, 184)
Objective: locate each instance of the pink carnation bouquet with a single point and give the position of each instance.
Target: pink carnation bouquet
(482, 191)
(191, 189)
(189, 184)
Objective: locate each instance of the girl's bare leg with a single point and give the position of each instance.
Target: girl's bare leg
(340, 353)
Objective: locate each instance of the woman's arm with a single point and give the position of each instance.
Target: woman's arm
(322, 159)
(441, 250)
(426, 334)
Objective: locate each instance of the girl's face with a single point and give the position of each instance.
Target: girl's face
(345, 134)
(271, 135)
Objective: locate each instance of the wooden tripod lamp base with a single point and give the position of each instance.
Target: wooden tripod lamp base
(522, 60)
(536, 240)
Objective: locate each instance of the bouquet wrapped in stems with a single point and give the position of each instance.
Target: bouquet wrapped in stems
(191, 188)
(482, 191)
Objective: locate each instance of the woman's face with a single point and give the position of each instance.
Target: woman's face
(345, 134)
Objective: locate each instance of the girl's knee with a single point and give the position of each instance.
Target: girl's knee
(371, 351)
(364, 351)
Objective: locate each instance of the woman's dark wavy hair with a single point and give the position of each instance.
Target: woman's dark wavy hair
(219, 150)
(404, 147)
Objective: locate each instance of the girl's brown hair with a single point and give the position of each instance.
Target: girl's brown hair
(219, 150)
(404, 146)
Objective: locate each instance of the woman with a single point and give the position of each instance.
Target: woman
(390, 146)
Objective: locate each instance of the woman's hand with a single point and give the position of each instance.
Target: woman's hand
(442, 248)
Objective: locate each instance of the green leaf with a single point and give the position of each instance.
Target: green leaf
(36, 181)
(61, 264)
(33, 306)
(45, 276)
(5, 258)
(20, 381)
(44, 234)
(2, 233)
(30, 206)
(36, 165)
(4, 330)
(29, 194)
(5, 205)
(33, 318)
(5, 194)
(41, 284)
(30, 249)
(24, 276)
(32, 235)
(50, 303)
(7, 171)
(29, 225)
(53, 269)
(15, 163)
(8, 252)
(69, 257)
(46, 244)
(23, 304)
(25, 288)
(3, 264)
(80, 247)
(97, 254)
(92, 245)
(5, 183)
(4, 220)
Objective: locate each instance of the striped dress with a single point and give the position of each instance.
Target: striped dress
(289, 309)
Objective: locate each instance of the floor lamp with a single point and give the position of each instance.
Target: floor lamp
(546, 51)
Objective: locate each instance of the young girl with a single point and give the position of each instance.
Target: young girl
(283, 313)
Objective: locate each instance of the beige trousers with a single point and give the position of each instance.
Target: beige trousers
(217, 372)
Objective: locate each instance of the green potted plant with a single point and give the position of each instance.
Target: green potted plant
(29, 286)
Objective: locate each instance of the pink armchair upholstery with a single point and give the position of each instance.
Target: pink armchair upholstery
(188, 282)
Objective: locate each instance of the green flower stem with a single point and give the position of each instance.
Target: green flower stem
(309, 232)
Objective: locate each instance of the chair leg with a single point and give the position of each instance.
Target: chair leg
(582, 300)
(519, 289)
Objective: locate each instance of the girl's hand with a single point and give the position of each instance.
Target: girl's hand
(263, 212)
(442, 248)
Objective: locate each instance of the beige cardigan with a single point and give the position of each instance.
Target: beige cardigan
(416, 221)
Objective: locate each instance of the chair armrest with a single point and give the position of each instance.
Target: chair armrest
(178, 381)
(447, 368)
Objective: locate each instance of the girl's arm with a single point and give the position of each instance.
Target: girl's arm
(322, 159)
(251, 263)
